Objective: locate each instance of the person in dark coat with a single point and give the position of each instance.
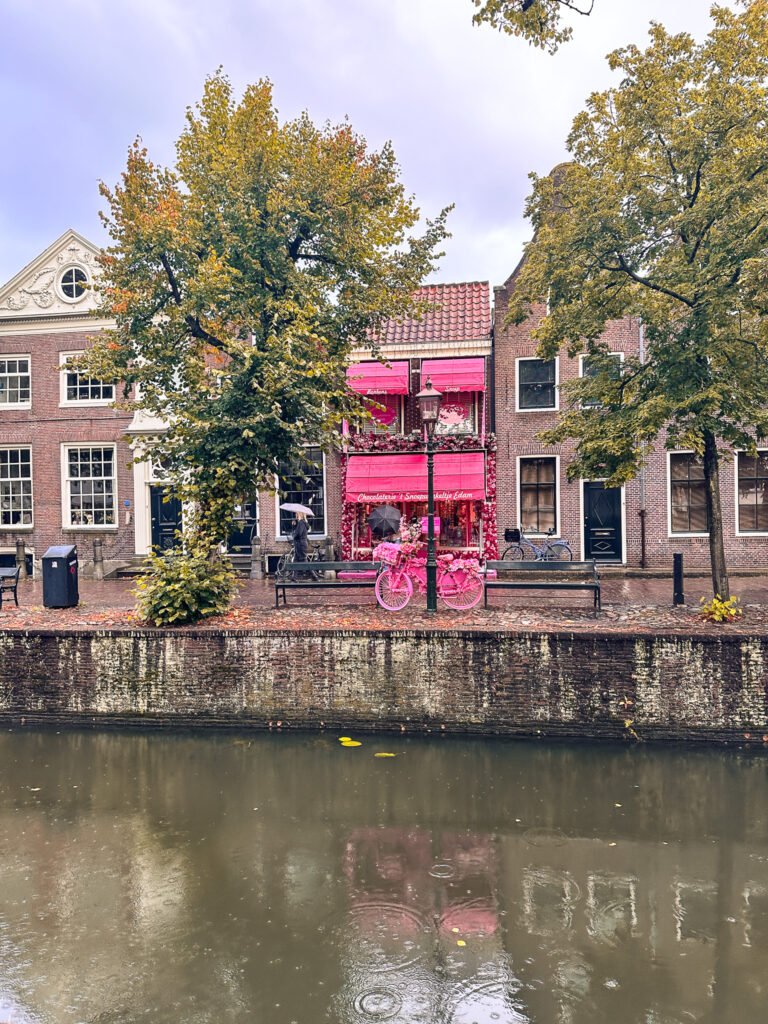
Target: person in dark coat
(301, 541)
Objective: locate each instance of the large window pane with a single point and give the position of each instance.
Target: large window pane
(538, 512)
(91, 486)
(302, 483)
(753, 492)
(78, 388)
(589, 368)
(687, 493)
(15, 487)
(15, 381)
(536, 383)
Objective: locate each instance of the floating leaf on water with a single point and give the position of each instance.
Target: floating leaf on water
(382, 753)
(352, 743)
(344, 739)
(460, 942)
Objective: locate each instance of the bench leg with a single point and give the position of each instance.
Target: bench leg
(16, 596)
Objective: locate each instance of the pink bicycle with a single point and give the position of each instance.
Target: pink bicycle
(459, 582)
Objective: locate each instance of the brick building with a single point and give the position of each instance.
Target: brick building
(660, 512)
(64, 460)
(384, 462)
(66, 473)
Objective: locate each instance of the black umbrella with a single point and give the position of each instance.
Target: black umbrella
(384, 520)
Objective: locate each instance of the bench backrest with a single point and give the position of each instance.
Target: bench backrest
(10, 577)
(544, 567)
(333, 566)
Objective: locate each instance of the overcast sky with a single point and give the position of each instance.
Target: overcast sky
(470, 112)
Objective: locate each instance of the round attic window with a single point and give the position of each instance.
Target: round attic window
(73, 282)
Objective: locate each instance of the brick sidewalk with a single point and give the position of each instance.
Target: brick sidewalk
(639, 604)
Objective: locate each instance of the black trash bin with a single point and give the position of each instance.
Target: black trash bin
(60, 589)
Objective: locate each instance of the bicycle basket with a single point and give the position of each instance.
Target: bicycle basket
(512, 536)
(387, 553)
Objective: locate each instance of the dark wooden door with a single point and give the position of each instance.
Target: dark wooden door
(602, 522)
(166, 516)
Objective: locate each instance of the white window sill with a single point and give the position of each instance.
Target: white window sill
(78, 529)
(544, 408)
(94, 403)
(7, 406)
(689, 536)
(27, 528)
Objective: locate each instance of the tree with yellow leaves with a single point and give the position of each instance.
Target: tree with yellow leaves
(239, 281)
(539, 22)
(663, 214)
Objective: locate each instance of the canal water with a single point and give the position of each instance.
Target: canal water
(279, 879)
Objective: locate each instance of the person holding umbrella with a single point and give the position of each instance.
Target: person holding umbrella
(300, 532)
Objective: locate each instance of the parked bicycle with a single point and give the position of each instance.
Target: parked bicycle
(523, 548)
(288, 567)
(459, 582)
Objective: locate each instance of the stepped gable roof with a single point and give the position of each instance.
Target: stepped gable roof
(458, 312)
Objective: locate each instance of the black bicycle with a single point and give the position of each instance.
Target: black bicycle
(523, 549)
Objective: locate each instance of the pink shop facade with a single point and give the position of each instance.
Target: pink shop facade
(386, 462)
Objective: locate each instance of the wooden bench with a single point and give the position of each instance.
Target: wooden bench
(544, 576)
(348, 574)
(9, 583)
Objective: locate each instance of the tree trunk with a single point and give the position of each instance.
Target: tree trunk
(715, 517)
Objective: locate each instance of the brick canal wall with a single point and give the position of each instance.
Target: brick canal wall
(580, 685)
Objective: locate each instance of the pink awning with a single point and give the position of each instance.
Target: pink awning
(377, 379)
(380, 478)
(454, 374)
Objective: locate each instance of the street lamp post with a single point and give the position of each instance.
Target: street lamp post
(429, 407)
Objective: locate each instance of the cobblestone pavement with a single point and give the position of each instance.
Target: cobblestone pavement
(636, 604)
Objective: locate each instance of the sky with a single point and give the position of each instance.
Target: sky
(470, 112)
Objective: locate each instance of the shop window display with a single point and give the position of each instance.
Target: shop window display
(457, 415)
(460, 523)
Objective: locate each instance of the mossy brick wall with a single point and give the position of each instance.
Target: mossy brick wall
(583, 685)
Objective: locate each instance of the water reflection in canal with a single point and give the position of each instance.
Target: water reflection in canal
(287, 879)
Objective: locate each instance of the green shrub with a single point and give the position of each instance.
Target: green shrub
(718, 610)
(178, 587)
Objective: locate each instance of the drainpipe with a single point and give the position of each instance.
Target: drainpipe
(492, 383)
(641, 475)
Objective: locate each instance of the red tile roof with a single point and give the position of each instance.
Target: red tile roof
(458, 312)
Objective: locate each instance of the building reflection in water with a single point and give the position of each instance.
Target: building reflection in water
(219, 880)
(422, 940)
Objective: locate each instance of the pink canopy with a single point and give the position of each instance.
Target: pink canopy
(454, 374)
(377, 379)
(381, 478)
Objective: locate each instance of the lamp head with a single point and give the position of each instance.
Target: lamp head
(429, 406)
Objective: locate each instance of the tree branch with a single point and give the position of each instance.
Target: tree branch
(625, 268)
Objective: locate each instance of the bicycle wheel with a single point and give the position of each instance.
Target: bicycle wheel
(393, 591)
(514, 553)
(463, 592)
(559, 553)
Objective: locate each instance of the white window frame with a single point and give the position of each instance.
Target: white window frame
(585, 355)
(66, 506)
(19, 405)
(23, 527)
(314, 536)
(670, 533)
(558, 534)
(545, 409)
(739, 531)
(68, 403)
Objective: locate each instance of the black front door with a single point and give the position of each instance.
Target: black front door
(166, 516)
(602, 522)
